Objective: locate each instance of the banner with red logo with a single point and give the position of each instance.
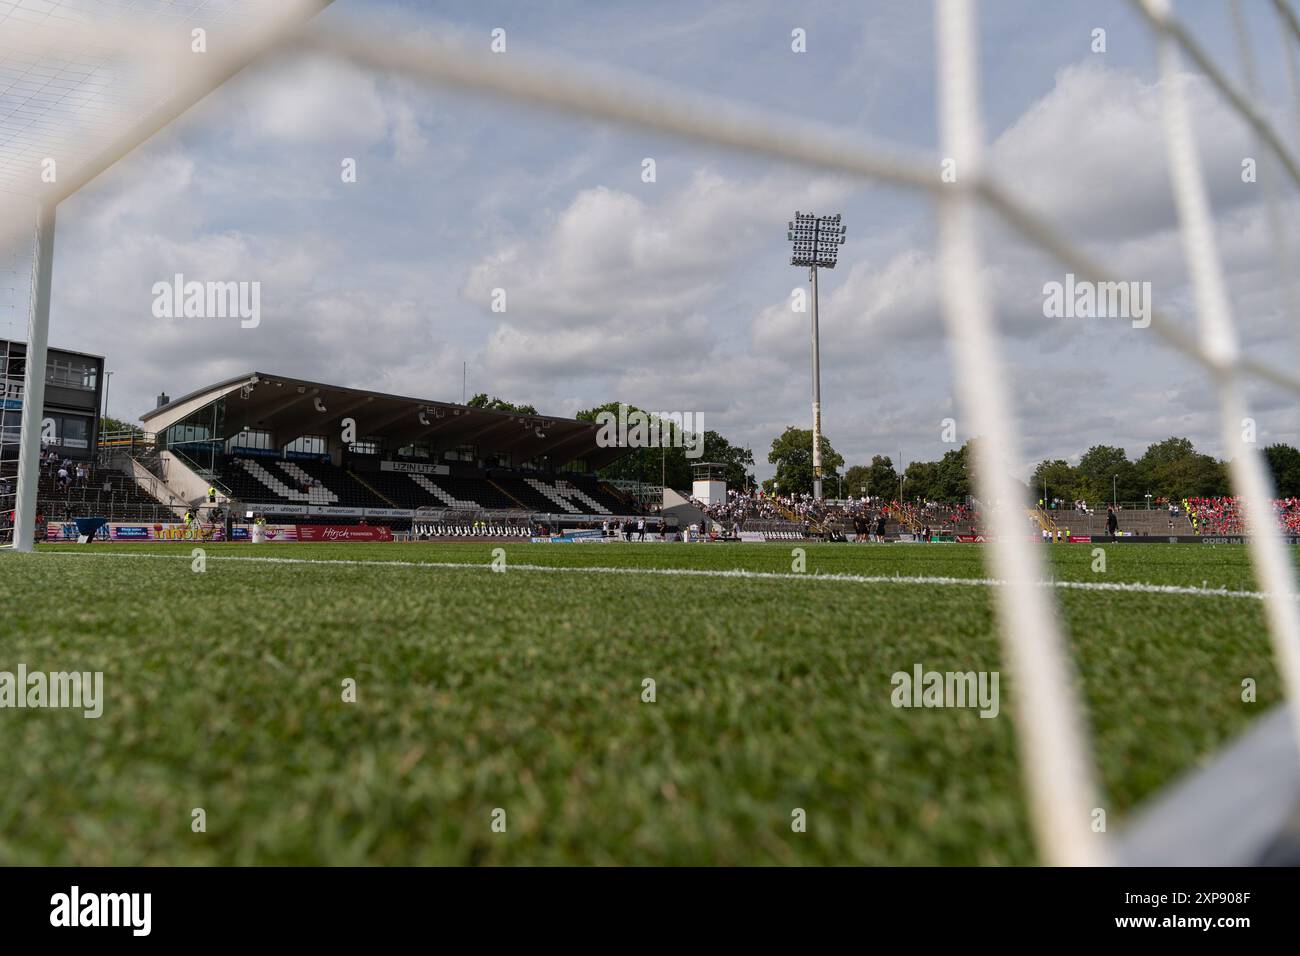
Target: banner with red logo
(142, 531)
(344, 532)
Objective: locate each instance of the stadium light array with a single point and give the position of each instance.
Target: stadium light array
(816, 241)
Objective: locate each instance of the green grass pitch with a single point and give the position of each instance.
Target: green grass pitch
(522, 691)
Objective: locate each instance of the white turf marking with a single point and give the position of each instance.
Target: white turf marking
(1123, 587)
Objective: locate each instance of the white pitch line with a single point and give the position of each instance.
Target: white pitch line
(741, 573)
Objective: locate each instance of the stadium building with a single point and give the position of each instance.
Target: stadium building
(290, 448)
(70, 413)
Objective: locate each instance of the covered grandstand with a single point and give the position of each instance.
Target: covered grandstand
(289, 447)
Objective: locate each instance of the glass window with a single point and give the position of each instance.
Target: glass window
(251, 438)
(180, 434)
(76, 432)
(70, 373)
(310, 444)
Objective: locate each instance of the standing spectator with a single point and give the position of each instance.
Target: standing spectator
(1112, 523)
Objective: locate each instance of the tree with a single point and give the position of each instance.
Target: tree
(792, 454)
(1105, 473)
(857, 480)
(921, 480)
(1174, 469)
(883, 479)
(481, 400)
(108, 425)
(738, 461)
(1055, 479)
(1284, 464)
(669, 462)
(650, 465)
(1159, 463)
(953, 475)
(879, 479)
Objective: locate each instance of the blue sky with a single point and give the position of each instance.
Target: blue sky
(674, 295)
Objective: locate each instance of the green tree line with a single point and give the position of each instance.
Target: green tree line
(1171, 469)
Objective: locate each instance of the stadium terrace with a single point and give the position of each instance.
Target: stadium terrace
(288, 447)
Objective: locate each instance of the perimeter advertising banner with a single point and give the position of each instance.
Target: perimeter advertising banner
(128, 531)
(139, 531)
(350, 532)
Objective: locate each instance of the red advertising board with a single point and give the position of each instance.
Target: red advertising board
(344, 532)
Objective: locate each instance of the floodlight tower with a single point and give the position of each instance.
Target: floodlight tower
(817, 241)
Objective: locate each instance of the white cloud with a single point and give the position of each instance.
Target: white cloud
(316, 100)
(611, 254)
(1090, 155)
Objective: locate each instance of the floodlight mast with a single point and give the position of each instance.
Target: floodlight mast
(817, 241)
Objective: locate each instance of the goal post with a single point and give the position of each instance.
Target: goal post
(38, 333)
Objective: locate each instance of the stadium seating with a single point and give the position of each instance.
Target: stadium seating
(436, 491)
(1132, 521)
(267, 481)
(569, 495)
(591, 494)
(108, 495)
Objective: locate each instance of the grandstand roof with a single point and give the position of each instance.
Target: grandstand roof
(294, 407)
